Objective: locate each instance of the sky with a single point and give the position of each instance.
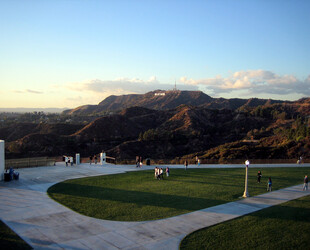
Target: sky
(68, 53)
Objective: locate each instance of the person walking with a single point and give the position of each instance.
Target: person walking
(269, 185)
(66, 160)
(305, 187)
(259, 176)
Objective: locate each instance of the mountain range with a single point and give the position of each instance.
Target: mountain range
(172, 124)
(165, 100)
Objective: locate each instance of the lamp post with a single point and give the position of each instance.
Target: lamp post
(2, 159)
(246, 194)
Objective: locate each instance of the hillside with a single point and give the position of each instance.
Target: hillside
(165, 100)
(23, 129)
(159, 100)
(270, 130)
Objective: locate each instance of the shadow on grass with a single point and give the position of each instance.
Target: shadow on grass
(127, 196)
(297, 210)
(10, 240)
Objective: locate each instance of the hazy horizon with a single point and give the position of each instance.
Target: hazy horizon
(72, 53)
(59, 110)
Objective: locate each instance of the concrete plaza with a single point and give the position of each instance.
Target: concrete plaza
(45, 224)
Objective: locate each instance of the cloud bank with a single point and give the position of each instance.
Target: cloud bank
(253, 82)
(249, 83)
(125, 86)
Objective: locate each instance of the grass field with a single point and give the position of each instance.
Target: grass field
(10, 240)
(137, 196)
(286, 226)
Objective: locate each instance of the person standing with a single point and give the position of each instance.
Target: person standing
(259, 176)
(95, 159)
(140, 161)
(167, 171)
(305, 187)
(90, 159)
(137, 161)
(198, 162)
(269, 185)
(161, 173)
(186, 164)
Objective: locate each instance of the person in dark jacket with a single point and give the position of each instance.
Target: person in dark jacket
(186, 164)
(305, 187)
(259, 176)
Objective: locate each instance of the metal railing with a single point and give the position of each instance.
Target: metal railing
(30, 162)
(51, 161)
(109, 159)
(213, 161)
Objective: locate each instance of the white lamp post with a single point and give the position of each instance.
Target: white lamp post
(102, 158)
(2, 159)
(246, 194)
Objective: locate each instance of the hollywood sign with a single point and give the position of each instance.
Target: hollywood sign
(160, 93)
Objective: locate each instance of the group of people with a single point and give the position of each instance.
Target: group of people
(197, 162)
(159, 173)
(269, 182)
(91, 158)
(299, 161)
(139, 161)
(68, 160)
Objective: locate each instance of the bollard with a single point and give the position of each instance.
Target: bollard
(77, 159)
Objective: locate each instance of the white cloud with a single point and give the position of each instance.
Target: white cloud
(254, 81)
(33, 91)
(27, 91)
(124, 86)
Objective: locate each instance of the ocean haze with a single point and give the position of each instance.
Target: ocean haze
(27, 110)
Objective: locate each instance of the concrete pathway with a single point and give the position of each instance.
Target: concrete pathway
(44, 224)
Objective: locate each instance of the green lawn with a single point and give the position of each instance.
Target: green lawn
(137, 196)
(286, 226)
(10, 240)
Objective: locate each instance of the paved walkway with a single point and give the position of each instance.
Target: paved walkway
(45, 224)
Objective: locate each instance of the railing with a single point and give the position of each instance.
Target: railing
(30, 162)
(213, 161)
(50, 161)
(109, 159)
(44, 161)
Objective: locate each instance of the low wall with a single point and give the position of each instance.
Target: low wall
(213, 161)
(111, 160)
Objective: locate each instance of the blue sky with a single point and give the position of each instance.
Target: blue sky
(70, 53)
